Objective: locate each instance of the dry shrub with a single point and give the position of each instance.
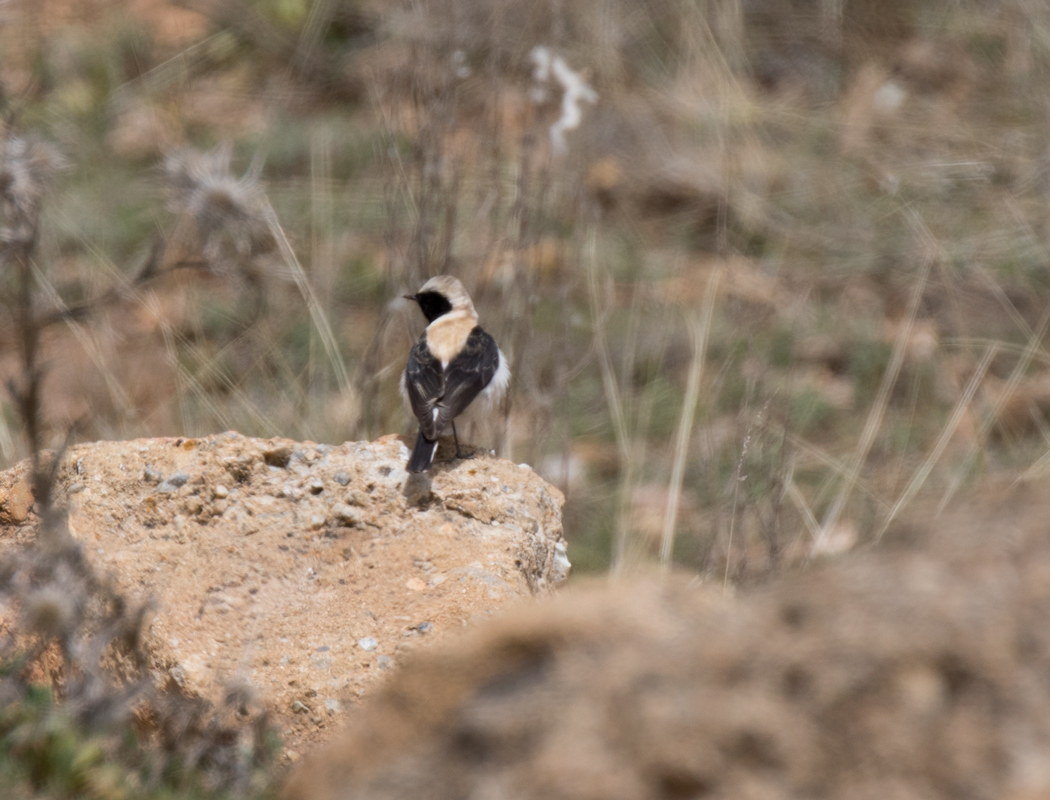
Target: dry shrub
(64, 629)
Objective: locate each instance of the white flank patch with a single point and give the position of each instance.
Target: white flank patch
(403, 389)
(492, 395)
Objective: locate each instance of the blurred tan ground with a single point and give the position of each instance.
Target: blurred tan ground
(914, 671)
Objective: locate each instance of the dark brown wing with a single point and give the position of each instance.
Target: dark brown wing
(467, 374)
(425, 385)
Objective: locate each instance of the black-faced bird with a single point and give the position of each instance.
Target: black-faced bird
(454, 364)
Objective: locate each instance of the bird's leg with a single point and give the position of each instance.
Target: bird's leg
(459, 453)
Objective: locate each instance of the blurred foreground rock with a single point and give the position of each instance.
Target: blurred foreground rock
(301, 570)
(919, 670)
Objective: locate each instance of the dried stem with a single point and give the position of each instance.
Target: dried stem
(700, 328)
(923, 472)
(878, 409)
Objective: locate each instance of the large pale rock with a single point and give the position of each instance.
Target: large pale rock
(304, 570)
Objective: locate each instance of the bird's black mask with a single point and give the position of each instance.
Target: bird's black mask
(432, 304)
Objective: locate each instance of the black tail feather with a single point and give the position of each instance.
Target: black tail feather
(422, 454)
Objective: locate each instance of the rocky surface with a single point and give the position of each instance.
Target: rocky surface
(917, 670)
(303, 570)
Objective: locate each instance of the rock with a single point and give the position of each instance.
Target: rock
(916, 669)
(250, 580)
(367, 643)
(15, 502)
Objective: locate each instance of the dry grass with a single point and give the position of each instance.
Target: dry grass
(869, 187)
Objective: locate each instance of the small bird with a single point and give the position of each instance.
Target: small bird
(453, 363)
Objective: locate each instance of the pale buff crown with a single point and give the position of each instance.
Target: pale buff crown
(452, 289)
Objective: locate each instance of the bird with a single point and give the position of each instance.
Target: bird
(453, 363)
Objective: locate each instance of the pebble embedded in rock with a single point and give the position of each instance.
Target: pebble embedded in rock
(347, 515)
(315, 486)
(16, 502)
(293, 493)
(341, 478)
(221, 492)
(173, 482)
(368, 643)
(277, 455)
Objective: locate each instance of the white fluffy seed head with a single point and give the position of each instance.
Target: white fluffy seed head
(27, 169)
(227, 215)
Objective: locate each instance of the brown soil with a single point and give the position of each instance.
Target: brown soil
(917, 670)
(305, 571)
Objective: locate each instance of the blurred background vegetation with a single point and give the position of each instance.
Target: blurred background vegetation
(860, 188)
(786, 276)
